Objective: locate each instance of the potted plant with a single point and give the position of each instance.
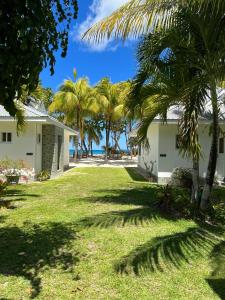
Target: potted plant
(12, 169)
(12, 176)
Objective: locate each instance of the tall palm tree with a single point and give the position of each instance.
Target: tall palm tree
(93, 133)
(76, 100)
(197, 57)
(204, 23)
(111, 106)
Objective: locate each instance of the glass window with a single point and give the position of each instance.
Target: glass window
(39, 138)
(221, 145)
(6, 137)
(3, 136)
(9, 137)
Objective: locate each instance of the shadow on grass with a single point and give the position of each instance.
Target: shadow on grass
(18, 193)
(217, 278)
(167, 251)
(139, 216)
(164, 252)
(143, 196)
(133, 173)
(28, 250)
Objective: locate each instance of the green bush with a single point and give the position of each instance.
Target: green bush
(181, 177)
(43, 175)
(3, 187)
(175, 201)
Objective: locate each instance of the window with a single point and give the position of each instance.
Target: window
(39, 138)
(177, 141)
(221, 145)
(6, 137)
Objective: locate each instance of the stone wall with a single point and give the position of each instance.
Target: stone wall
(50, 134)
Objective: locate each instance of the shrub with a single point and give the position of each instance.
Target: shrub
(175, 201)
(10, 167)
(181, 177)
(3, 187)
(43, 175)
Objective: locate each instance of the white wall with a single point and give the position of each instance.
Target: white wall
(38, 150)
(163, 150)
(66, 148)
(167, 145)
(169, 157)
(150, 155)
(25, 143)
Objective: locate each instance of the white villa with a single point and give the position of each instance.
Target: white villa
(163, 156)
(44, 144)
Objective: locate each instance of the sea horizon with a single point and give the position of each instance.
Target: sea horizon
(95, 151)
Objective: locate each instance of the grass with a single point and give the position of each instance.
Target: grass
(94, 233)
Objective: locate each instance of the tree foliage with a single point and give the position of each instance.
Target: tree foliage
(31, 33)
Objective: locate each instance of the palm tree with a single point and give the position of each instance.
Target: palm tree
(203, 24)
(76, 100)
(111, 106)
(140, 17)
(93, 132)
(199, 66)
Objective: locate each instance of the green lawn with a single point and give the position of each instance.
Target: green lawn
(94, 234)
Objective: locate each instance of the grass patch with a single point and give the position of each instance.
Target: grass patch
(95, 233)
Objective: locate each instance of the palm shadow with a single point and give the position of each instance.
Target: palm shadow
(15, 193)
(135, 176)
(163, 252)
(140, 196)
(168, 251)
(26, 251)
(217, 278)
(140, 216)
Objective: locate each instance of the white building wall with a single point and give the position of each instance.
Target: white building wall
(22, 145)
(38, 146)
(162, 139)
(170, 158)
(66, 148)
(149, 156)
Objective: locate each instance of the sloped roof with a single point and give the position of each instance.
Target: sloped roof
(32, 114)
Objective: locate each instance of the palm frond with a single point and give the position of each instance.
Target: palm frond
(140, 17)
(20, 125)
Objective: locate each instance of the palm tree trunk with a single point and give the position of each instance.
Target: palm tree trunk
(213, 153)
(108, 126)
(91, 148)
(195, 180)
(85, 147)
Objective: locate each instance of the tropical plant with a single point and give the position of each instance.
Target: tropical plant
(111, 99)
(31, 33)
(140, 17)
(43, 175)
(77, 101)
(192, 61)
(3, 187)
(40, 95)
(93, 132)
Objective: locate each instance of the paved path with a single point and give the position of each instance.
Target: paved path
(100, 162)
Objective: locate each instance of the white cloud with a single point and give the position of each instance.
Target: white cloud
(98, 10)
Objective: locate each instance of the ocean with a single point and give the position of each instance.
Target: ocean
(95, 152)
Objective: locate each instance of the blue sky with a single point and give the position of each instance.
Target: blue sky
(114, 60)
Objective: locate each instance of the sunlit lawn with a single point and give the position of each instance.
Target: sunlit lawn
(94, 234)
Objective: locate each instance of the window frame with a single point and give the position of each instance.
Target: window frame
(38, 138)
(8, 137)
(221, 145)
